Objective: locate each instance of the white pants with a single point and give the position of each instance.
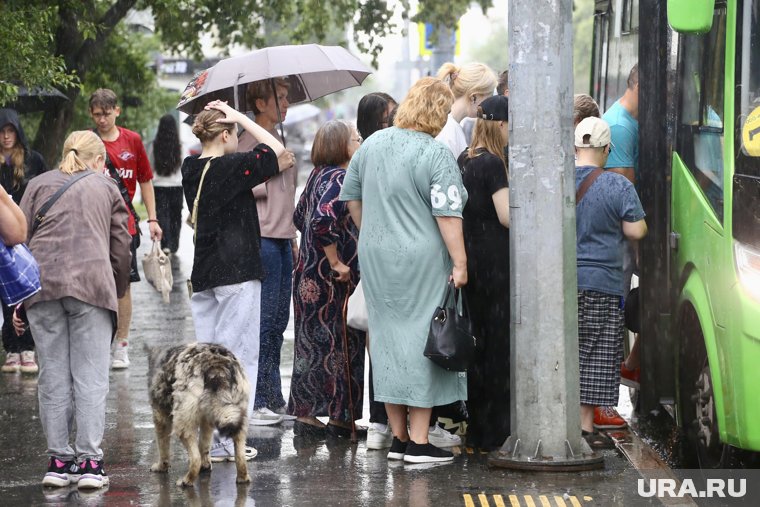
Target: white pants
(229, 315)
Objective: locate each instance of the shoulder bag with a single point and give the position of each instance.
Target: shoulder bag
(451, 343)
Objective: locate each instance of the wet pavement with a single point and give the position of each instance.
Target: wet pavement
(287, 471)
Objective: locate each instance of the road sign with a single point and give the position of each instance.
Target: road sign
(426, 31)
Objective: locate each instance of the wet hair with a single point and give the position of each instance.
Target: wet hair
(167, 150)
(262, 90)
(503, 84)
(584, 107)
(80, 149)
(486, 134)
(469, 79)
(330, 145)
(426, 106)
(370, 113)
(18, 159)
(206, 128)
(633, 77)
(387, 97)
(103, 98)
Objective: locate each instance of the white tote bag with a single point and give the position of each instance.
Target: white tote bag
(356, 314)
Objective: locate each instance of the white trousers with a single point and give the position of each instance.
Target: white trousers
(229, 315)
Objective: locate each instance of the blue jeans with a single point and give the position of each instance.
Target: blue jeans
(277, 260)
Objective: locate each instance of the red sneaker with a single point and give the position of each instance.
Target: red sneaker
(607, 418)
(628, 377)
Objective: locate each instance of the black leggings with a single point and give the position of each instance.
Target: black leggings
(12, 343)
(169, 215)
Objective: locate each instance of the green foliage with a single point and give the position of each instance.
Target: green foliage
(26, 41)
(125, 66)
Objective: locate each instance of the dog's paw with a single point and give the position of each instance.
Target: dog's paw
(184, 483)
(245, 479)
(206, 467)
(160, 467)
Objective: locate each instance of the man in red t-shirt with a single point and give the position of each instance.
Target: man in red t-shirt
(129, 166)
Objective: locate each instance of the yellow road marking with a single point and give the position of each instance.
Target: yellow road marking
(529, 501)
(560, 501)
(575, 502)
(468, 500)
(544, 501)
(498, 500)
(514, 501)
(483, 500)
(587, 498)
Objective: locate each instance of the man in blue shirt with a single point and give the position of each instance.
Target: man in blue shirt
(622, 118)
(608, 212)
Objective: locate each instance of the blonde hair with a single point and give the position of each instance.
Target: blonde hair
(487, 134)
(206, 128)
(426, 107)
(469, 79)
(81, 147)
(18, 156)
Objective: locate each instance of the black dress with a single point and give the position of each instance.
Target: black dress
(487, 292)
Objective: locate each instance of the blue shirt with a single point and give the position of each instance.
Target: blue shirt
(624, 132)
(610, 200)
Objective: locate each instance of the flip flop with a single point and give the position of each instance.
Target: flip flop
(250, 453)
(597, 440)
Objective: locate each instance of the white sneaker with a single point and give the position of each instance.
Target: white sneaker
(120, 357)
(379, 436)
(283, 411)
(439, 437)
(265, 417)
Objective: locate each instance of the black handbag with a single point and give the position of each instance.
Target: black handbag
(451, 343)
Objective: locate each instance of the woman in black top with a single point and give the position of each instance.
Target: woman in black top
(226, 286)
(486, 237)
(18, 164)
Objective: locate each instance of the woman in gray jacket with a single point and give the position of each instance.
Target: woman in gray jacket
(82, 248)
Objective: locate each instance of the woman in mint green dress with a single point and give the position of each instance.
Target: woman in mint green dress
(405, 192)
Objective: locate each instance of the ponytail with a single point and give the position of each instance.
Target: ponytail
(80, 150)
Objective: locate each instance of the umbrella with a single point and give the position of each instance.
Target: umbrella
(34, 99)
(300, 113)
(312, 70)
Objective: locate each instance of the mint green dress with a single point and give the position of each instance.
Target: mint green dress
(405, 179)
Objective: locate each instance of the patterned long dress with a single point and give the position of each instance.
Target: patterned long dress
(319, 385)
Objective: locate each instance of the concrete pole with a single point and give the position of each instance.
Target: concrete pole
(545, 398)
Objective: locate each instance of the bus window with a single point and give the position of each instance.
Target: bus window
(700, 128)
(746, 182)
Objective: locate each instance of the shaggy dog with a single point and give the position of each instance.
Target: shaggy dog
(195, 388)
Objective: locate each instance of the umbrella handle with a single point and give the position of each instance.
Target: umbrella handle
(277, 106)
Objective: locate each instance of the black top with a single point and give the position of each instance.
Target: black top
(482, 176)
(228, 240)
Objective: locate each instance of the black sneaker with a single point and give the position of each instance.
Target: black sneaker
(398, 449)
(93, 475)
(425, 453)
(60, 473)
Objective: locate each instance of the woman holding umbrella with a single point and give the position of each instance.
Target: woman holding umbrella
(18, 165)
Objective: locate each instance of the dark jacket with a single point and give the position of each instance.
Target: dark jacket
(34, 164)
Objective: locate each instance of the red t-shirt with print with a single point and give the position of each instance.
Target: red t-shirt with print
(128, 156)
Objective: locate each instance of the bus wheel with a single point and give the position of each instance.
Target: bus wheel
(710, 451)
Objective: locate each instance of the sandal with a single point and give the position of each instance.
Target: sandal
(250, 453)
(597, 440)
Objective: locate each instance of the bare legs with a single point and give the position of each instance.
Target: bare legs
(419, 422)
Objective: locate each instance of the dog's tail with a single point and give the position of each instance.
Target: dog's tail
(229, 389)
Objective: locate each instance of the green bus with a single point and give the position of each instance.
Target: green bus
(699, 124)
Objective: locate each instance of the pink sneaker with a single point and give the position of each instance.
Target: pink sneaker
(28, 364)
(12, 362)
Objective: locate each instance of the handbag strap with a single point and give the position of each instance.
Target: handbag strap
(586, 184)
(39, 217)
(194, 214)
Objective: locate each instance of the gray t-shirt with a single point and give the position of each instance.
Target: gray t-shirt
(609, 201)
